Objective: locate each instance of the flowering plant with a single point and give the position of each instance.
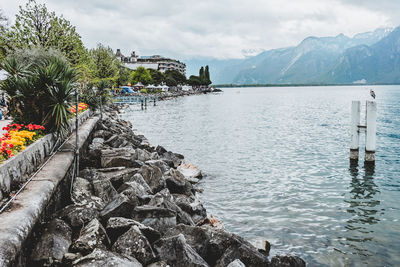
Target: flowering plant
(17, 137)
(81, 107)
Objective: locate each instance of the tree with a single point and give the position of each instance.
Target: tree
(207, 76)
(201, 75)
(176, 75)
(142, 75)
(123, 74)
(194, 80)
(4, 46)
(157, 76)
(36, 26)
(41, 84)
(105, 63)
(170, 81)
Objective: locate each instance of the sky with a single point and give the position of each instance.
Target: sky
(221, 29)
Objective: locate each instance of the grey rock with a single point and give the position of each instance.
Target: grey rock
(97, 140)
(287, 261)
(120, 206)
(133, 243)
(192, 205)
(177, 252)
(102, 134)
(160, 150)
(153, 177)
(176, 182)
(82, 194)
(92, 236)
(218, 247)
(133, 190)
(116, 226)
(78, 215)
(160, 224)
(104, 258)
(236, 263)
(138, 178)
(160, 164)
(104, 189)
(118, 157)
(158, 264)
(53, 243)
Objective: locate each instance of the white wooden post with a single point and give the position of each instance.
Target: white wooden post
(370, 134)
(354, 131)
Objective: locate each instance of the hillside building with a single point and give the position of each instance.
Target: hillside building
(155, 62)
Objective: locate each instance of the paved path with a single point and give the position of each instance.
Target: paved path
(3, 123)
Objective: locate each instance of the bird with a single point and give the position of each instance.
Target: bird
(372, 93)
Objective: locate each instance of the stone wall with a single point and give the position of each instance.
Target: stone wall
(16, 170)
(38, 201)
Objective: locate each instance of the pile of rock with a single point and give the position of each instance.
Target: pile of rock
(136, 205)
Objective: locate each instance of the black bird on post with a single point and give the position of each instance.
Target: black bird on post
(372, 93)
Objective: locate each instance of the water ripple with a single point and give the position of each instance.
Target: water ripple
(276, 167)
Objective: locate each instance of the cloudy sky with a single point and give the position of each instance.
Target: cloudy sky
(215, 28)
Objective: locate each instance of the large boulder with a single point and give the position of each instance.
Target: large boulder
(153, 177)
(176, 182)
(133, 243)
(78, 215)
(138, 178)
(53, 243)
(120, 206)
(82, 194)
(92, 236)
(133, 190)
(189, 171)
(160, 164)
(287, 261)
(103, 189)
(192, 205)
(172, 159)
(116, 175)
(144, 155)
(103, 258)
(218, 247)
(236, 263)
(116, 226)
(125, 157)
(177, 252)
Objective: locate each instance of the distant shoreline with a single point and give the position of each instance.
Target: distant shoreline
(297, 85)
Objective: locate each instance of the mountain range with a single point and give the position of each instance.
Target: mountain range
(366, 58)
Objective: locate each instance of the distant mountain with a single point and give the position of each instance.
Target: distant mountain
(314, 60)
(378, 63)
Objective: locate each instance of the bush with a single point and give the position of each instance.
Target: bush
(41, 86)
(143, 91)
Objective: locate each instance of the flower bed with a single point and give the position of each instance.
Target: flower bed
(17, 137)
(81, 107)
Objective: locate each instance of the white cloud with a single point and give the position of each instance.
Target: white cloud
(220, 29)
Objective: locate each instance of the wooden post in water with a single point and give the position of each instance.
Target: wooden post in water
(154, 99)
(141, 102)
(145, 102)
(370, 133)
(354, 130)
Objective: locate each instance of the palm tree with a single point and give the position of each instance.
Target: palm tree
(41, 89)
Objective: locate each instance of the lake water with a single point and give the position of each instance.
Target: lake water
(276, 167)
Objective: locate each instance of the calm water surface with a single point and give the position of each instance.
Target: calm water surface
(276, 167)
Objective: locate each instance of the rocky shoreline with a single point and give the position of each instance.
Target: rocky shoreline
(137, 205)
